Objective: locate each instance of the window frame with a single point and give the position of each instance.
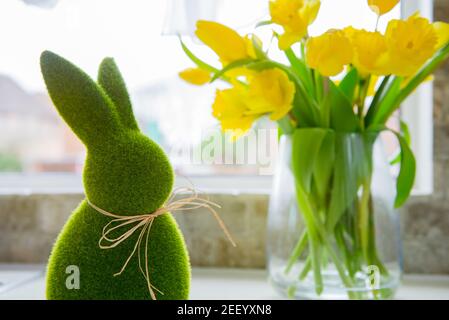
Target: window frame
(420, 122)
(417, 111)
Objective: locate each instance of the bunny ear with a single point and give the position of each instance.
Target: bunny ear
(79, 100)
(110, 79)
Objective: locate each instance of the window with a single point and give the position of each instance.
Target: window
(417, 111)
(38, 151)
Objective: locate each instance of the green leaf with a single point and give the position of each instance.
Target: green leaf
(200, 63)
(300, 69)
(306, 145)
(233, 65)
(387, 103)
(352, 165)
(342, 116)
(257, 45)
(264, 23)
(285, 125)
(406, 178)
(306, 116)
(374, 106)
(406, 134)
(324, 164)
(349, 84)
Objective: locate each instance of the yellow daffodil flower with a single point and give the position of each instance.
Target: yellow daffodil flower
(442, 30)
(410, 44)
(269, 92)
(230, 107)
(225, 42)
(294, 16)
(329, 53)
(195, 76)
(381, 7)
(370, 49)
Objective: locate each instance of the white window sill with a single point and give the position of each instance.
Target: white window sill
(24, 184)
(221, 284)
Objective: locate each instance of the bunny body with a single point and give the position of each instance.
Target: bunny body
(125, 173)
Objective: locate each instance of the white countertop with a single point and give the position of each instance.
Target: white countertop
(27, 282)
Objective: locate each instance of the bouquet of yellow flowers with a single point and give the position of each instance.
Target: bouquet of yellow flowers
(377, 71)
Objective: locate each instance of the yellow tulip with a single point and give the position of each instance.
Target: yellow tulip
(410, 44)
(381, 7)
(225, 42)
(269, 92)
(442, 30)
(370, 49)
(294, 16)
(229, 108)
(195, 76)
(329, 53)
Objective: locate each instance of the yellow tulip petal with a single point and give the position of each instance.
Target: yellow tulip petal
(229, 108)
(442, 30)
(286, 13)
(271, 92)
(369, 51)
(287, 39)
(195, 76)
(226, 43)
(294, 16)
(410, 44)
(310, 10)
(329, 53)
(381, 7)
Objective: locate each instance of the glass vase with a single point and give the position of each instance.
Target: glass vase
(337, 239)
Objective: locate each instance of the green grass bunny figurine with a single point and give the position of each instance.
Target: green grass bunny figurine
(125, 173)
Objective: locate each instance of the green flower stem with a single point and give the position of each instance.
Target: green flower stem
(296, 253)
(318, 232)
(319, 86)
(363, 220)
(375, 103)
(363, 92)
(348, 258)
(314, 241)
(307, 267)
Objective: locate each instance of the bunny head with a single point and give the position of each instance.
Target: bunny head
(125, 172)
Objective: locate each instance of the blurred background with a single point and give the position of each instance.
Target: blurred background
(142, 36)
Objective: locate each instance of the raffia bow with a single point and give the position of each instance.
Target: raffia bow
(144, 221)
